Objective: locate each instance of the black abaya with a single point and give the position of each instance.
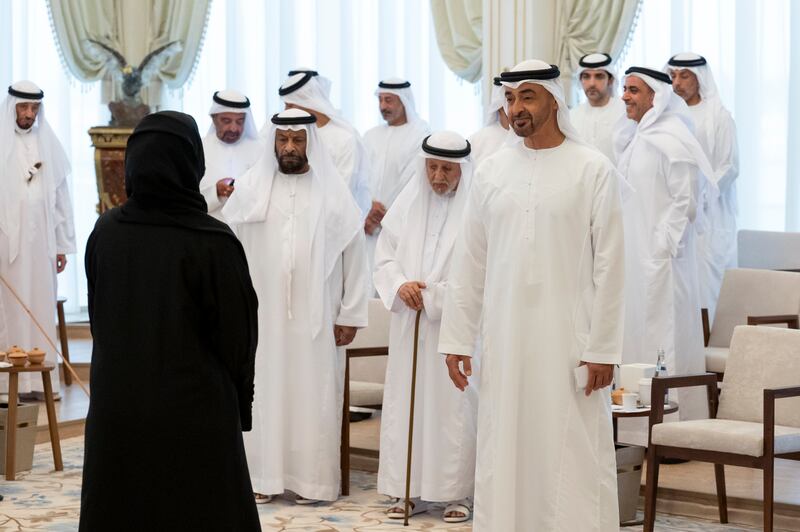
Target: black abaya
(173, 318)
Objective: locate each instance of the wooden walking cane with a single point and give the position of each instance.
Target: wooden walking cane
(411, 417)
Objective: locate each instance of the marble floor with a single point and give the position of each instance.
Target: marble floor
(687, 489)
(45, 500)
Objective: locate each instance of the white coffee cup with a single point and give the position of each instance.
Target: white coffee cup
(629, 401)
(645, 387)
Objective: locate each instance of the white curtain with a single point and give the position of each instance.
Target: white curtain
(753, 49)
(29, 52)
(587, 26)
(134, 28)
(249, 46)
(459, 34)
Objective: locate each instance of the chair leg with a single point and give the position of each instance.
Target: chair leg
(722, 497)
(651, 489)
(769, 473)
(345, 442)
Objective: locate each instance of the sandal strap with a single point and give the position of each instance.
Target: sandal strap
(401, 505)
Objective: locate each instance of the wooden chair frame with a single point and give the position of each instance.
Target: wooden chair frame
(345, 444)
(792, 321)
(655, 453)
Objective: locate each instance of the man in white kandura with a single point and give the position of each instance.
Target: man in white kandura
(665, 167)
(714, 127)
(301, 232)
(596, 117)
(391, 148)
(305, 90)
(36, 227)
(487, 140)
(412, 264)
(231, 147)
(540, 259)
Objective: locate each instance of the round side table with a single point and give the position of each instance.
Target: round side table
(617, 412)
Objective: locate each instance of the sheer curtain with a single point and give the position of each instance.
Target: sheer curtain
(29, 52)
(134, 28)
(754, 51)
(459, 34)
(249, 46)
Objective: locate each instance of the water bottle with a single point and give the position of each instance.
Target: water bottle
(661, 371)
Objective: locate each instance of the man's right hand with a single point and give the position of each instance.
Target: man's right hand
(224, 190)
(411, 294)
(459, 378)
(374, 217)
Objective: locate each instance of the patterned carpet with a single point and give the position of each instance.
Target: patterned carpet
(44, 500)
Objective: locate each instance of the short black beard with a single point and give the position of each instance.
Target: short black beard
(520, 132)
(292, 166)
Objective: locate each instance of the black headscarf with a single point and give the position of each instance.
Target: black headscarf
(164, 163)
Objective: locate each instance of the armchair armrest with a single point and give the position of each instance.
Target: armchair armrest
(770, 394)
(683, 381)
(792, 321)
(662, 384)
(357, 352)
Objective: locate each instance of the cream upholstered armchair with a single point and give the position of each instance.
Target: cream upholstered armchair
(368, 368)
(365, 371)
(769, 250)
(755, 420)
(749, 297)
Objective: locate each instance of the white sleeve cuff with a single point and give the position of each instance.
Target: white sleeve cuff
(602, 358)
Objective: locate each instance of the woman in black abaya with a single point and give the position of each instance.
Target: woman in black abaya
(173, 318)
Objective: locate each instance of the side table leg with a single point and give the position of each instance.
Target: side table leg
(62, 334)
(52, 422)
(11, 427)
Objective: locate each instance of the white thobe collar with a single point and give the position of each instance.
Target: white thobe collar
(599, 108)
(21, 131)
(224, 144)
(536, 153)
(699, 110)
